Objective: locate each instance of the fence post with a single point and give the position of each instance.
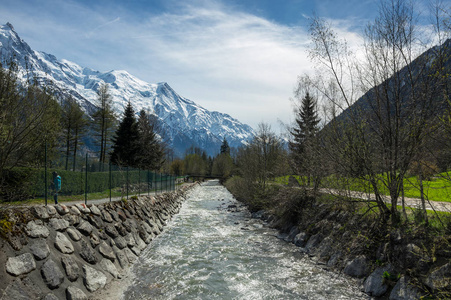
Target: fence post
(126, 183)
(86, 180)
(139, 181)
(148, 181)
(109, 177)
(45, 173)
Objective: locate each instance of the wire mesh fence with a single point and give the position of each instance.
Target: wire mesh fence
(94, 180)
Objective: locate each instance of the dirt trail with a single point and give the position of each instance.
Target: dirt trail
(410, 202)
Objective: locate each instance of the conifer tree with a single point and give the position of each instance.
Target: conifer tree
(304, 135)
(125, 140)
(150, 151)
(225, 147)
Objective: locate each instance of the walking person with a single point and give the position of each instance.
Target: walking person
(56, 185)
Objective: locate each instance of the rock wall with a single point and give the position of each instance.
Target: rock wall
(70, 252)
(388, 265)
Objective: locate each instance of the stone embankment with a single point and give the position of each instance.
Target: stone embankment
(394, 266)
(71, 252)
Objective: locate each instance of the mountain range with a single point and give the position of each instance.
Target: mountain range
(184, 122)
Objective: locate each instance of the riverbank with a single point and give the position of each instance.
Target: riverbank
(393, 262)
(213, 249)
(75, 252)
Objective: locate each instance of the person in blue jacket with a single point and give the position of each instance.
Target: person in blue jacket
(56, 185)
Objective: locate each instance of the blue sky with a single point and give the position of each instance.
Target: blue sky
(241, 57)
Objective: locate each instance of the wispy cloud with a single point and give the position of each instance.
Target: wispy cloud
(93, 31)
(223, 58)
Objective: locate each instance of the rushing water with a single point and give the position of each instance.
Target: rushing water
(207, 252)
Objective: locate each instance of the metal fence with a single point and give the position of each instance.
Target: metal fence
(90, 177)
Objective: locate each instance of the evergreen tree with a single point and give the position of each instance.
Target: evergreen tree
(304, 136)
(126, 139)
(225, 147)
(150, 151)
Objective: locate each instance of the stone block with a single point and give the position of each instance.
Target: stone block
(39, 249)
(71, 268)
(63, 244)
(34, 230)
(52, 275)
(93, 279)
(21, 264)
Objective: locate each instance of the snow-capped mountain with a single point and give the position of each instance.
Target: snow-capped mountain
(185, 123)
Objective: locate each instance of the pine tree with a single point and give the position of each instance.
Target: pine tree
(126, 139)
(225, 147)
(304, 135)
(150, 151)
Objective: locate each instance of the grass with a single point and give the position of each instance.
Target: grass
(68, 198)
(436, 189)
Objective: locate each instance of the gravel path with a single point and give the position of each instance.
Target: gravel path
(409, 202)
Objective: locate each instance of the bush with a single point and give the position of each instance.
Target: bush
(250, 194)
(429, 169)
(289, 205)
(17, 183)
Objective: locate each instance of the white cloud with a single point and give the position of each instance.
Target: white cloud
(221, 58)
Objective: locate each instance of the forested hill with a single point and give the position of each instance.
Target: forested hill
(408, 89)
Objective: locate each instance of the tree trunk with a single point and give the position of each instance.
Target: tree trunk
(423, 202)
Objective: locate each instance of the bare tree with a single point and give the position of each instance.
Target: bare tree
(104, 120)
(74, 126)
(378, 136)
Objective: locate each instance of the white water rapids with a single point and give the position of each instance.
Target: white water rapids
(207, 252)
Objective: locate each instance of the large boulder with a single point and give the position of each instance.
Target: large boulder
(22, 289)
(358, 267)
(40, 212)
(93, 279)
(59, 224)
(63, 244)
(301, 239)
(109, 267)
(439, 278)
(88, 254)
(35, 229)
(85, 228)
(375, 285)
(404, 291)
(71, 268)
(62, 209)
(74, 234)
(74, 293)
(107, 251)
(52, 275)
(39, 249)
(21, 264)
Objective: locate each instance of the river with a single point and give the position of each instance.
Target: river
(209, 252)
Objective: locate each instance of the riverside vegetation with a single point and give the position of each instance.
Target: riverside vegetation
(377, 121)
(406, 261)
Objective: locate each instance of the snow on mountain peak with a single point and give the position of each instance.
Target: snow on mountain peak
(186, 123)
